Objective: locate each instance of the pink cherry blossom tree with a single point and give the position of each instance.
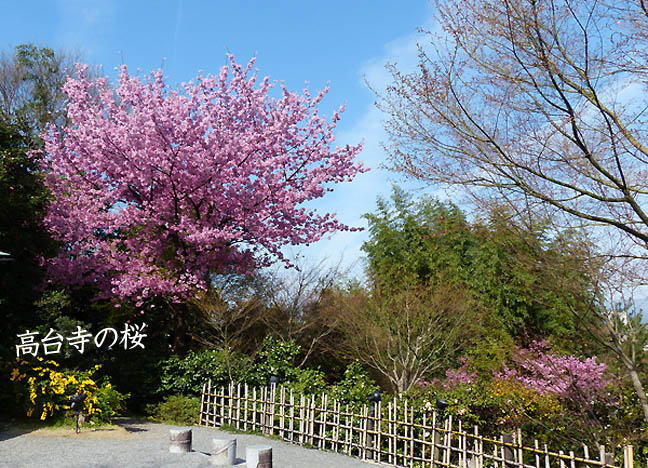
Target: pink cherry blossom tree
(156, 188)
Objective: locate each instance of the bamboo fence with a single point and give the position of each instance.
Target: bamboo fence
(388, 433)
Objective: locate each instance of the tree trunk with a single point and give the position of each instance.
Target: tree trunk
(634, 376)
(180, 330)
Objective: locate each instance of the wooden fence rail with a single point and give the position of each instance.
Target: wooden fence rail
(393, 433)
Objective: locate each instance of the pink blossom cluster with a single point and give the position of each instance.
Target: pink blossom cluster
(568, 377)
(155, 188)
(460, 376)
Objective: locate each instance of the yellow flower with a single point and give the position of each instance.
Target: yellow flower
(29, 412)
(14, 374)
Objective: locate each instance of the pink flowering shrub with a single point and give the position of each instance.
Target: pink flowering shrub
(571, 379)
(460, 376)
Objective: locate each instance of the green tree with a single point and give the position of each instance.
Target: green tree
(505, 267)
(30, 98)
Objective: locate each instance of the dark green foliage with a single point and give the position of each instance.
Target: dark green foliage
(176, 409)
(420, 241)
(21, 232)
(355, 387)
(509, 270)
(31, 98)
(276, 357)
(187, 375)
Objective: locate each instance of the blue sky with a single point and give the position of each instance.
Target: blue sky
(340, 43)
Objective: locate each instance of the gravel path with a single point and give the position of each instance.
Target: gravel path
(137, 444)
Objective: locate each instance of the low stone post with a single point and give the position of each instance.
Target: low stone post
(258, 456)
(180, 440)
(224, 452)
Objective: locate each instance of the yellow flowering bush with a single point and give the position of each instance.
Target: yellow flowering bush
(48, 389)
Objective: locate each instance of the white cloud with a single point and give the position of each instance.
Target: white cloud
(351, 201)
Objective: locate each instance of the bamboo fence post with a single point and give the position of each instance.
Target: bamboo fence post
(363, 435)
(238, 406)
(222, 406)
(231, 404)
(405, 434)
(282, 412)
(474, 460)
(546, 456)
(628, 456)
(480, 449)
(347, 446)
(572, 461)
(208, 400)
(254, 408)
(520, 453)
(322, 428)
(463, 446)
(561, 458)
(449, 444)
(264, 409)
(423, 438)
(586, 454)
(394, 438)
(412, 437)
(336, 424)
(292, 416)
(245, 410)
(311, 425)
(378, 421)
(230, 392)
(271, 411)
(536, 446)
(202, 404)
(302, 419)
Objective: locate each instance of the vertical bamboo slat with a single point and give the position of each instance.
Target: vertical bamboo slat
(208, 403)
(379, 434)
(247, 397)
(202, 405)
(322, 425)
(347, 434)
(292, 416)
(463, 445)
(411, 424)
(282, 412)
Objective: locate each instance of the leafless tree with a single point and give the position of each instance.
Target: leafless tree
(539, 104)
(405, 335)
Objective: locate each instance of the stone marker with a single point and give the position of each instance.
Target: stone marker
(180, 440)
(258, 456)
(224, 452)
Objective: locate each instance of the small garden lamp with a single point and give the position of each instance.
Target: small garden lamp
(441, 407)
(274, 380)
(374, 398)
